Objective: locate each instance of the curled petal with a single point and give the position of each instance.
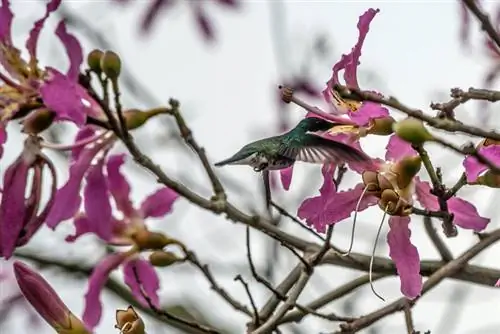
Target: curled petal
(286, 177)
(64, 97)
(350, 72)
(97, 205)
(12, 205)
(73, 50)
(118, 185)
(159, 203)
(465, 213)
(474, 168)
(140, 274)
(83, 133)
(321, 211)
(6, 17)
(405, 256)
(398, 149)
(32, 42)
(67, 200)
(97, 280)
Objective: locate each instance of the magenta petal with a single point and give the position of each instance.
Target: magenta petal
(286, 177)
(350, 72)
(82, 226)
(405, 256)
(321, 211)
(97, 205)
(67, 200)
(97, 280)
(397, 149)
(146, 278)
(83, 133)
(159, 203)
(368, 111)
(73, 50)
(12, 206)
(465, 213)
(328, 188)
(6, 17)
(497, 284)
(32, 42)
(63, 96)
(474, 168)
(118, 185)
(3, 139)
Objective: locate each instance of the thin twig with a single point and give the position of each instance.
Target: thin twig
(485, 21)
(410, 329)
(441, 247)
(256, 319)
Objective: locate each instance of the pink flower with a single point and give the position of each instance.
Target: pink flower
(360, 116)
(46, 302)
(490, 150)
(393, 188)
(497, 284)
(130, 230)
(21, 217)
(25, 82)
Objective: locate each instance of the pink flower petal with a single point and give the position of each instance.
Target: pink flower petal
(405, 256)
(321, 211)
(67, 200)
(12, 205)
(474, 168)
(97, 280)
(497, 284)
(159, 203)
(83, 133)
(156, 7)
(73, 50)
(32, 42)
(97, 205)
(82, 226)
(118, 185)
(328, 188)
(3, 139)
(465, 213)
(6, 17)
(350, 72)
(286, 177)
(397, 149)
(368, 111)
(148, 280)
(64, 97)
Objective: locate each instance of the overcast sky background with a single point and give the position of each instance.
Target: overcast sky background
(228, 90)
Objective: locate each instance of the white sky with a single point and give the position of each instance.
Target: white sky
(229, 92)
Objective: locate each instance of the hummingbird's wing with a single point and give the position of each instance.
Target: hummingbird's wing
(315, 149)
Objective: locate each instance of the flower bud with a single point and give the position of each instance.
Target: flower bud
(94, 60)
(381, 126)
(129, 322)
(38, 121)
(136, 118)
(46, 302)
(145, 239)
(370, 181)
(489, 179)
(388, 201)
(111, 64)
(163, 259)
(406, 169)
(412, 130)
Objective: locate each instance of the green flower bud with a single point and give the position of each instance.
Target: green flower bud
(94, 60)
(412, 130)
(406, 169)
(145, 239)
(381, 126)
(163, 259)
(111, 64)
(489, 179)
(38, 121)
(135, 118)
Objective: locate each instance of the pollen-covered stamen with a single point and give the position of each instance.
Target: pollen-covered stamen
(343, 104)
(370, 271)
(83, 142)
(365, 190)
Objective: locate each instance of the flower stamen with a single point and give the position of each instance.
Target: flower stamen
(370, 271)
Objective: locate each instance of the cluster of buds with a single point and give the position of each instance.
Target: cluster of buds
(393, 187)
(107, 62)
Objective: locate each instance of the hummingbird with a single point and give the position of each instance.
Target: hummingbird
(299, 144)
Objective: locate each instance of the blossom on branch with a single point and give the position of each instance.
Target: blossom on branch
(488, 149)
(130, 230)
